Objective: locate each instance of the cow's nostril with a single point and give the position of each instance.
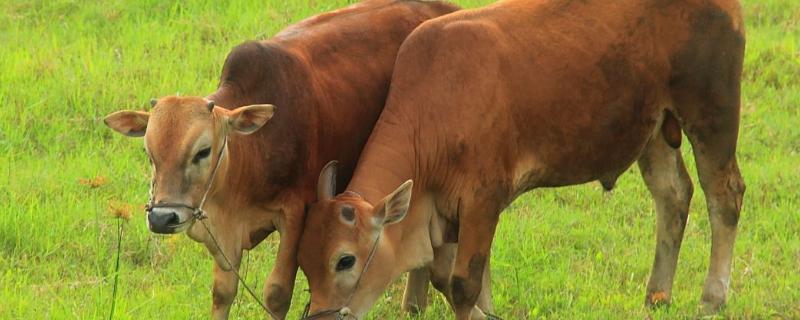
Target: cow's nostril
(173, 219)
(163, 221)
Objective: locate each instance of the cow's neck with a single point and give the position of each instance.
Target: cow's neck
(261, 165)
(238, 218)
(388, 160)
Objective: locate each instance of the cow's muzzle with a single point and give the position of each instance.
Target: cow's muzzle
(168, 220)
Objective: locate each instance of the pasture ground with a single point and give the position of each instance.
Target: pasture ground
(571, 253)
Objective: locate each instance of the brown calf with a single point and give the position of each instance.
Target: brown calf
(329, 77)
(490, 103)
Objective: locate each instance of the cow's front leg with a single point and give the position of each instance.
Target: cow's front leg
(415, 296)
(280, 284)
(224, 290)
(226, 248)
(475, 235)
(442, 266)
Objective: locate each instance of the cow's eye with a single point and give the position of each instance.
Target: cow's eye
(202, 154)
(345, 263)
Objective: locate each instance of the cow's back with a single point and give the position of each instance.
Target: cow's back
(558, 92)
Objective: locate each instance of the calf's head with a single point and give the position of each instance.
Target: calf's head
(346, 259)
(183, 138)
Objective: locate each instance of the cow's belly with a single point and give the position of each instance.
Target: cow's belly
(584, 167)
(600, 144)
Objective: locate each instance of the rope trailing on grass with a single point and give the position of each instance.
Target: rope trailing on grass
(116, 270)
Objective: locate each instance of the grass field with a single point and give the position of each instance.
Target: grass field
(571, 253)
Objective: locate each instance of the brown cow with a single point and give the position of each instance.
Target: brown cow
(490, 103)
(328, 76)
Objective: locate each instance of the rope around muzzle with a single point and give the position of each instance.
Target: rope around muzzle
(344, 311)
(198, 214)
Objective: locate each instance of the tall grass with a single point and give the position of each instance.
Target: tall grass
(559, 254)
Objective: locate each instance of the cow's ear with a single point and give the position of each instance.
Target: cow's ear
(394, 207)
(129, 123)
(248, 119)
(326, 184)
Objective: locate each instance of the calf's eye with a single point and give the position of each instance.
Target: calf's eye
(345, 263)
(202, 154)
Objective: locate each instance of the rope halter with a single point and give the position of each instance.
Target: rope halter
(344, 311)
(197, 212)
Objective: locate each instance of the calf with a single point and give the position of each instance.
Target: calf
(490, 103)
(329, 77)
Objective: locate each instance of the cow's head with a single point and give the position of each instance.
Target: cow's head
(183, 137)
(340, 233)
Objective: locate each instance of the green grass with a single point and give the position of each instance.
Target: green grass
(570, 253)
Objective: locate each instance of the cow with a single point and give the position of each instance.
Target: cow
(490, 103)
(283, 108)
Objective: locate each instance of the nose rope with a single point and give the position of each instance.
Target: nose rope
(199, 214)
(344, 312)
(236, 272)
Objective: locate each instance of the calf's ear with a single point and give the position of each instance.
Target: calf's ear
(326, 184)
(248, 119)
(129, 123)
(393, 208)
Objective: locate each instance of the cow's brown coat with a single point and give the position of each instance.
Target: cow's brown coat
(490, 103)
(328, 76)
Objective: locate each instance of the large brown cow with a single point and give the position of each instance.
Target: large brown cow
(490, 103)
(328, 77)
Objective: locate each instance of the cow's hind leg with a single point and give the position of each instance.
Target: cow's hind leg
(724, 188)
(668, 181)
(705, 89)
(722, 183)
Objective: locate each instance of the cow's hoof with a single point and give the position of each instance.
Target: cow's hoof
(278, 300)
(414, 309)
(657, 299)
(714, 297)
(712, 304)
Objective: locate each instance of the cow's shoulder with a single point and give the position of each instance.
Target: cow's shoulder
(433, 8)
(450, 39)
